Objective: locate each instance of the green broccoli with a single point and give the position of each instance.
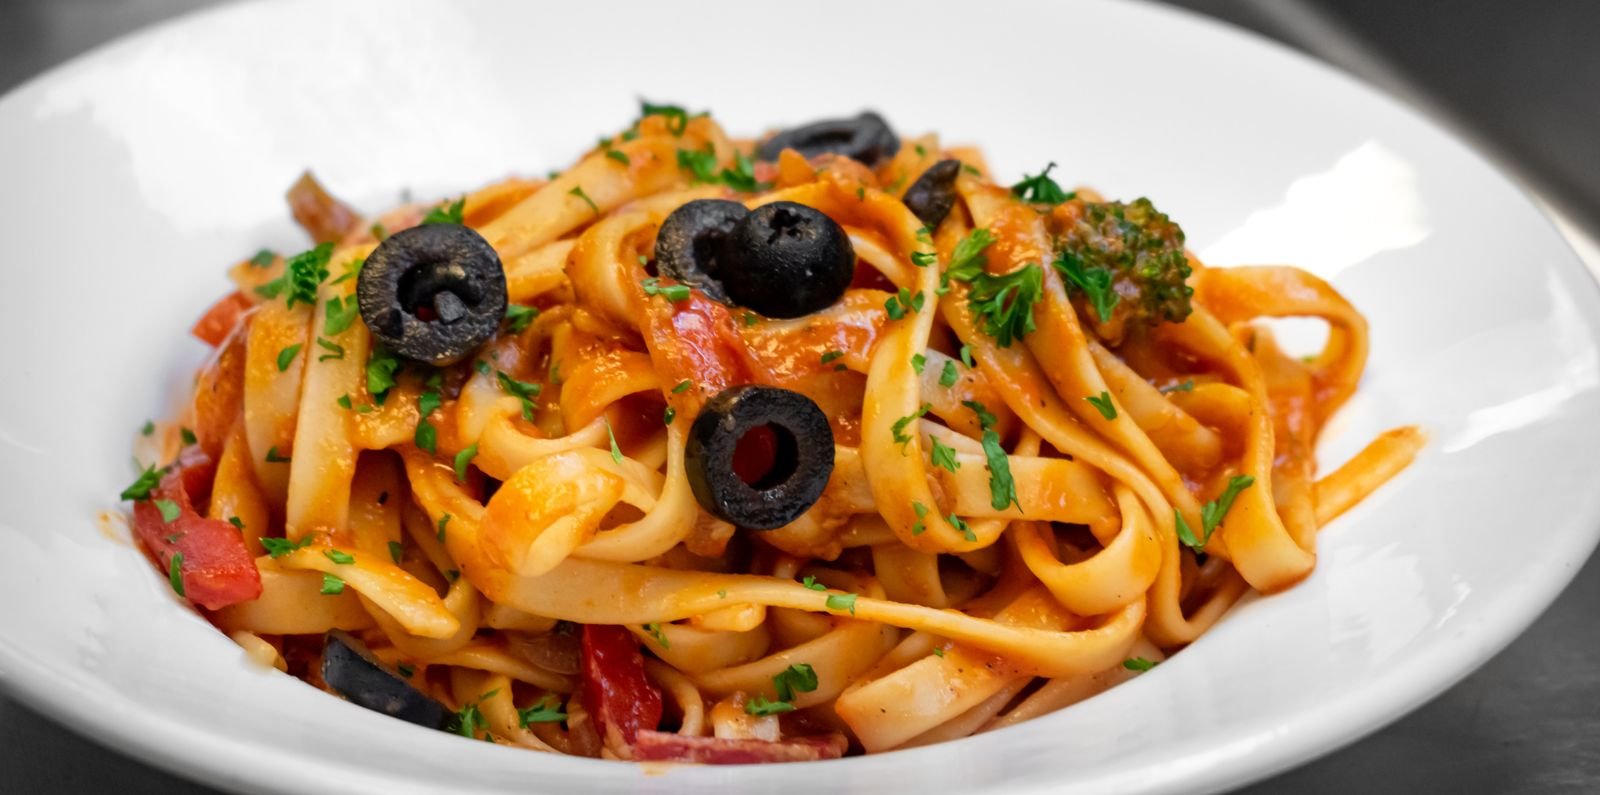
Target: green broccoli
(1127, 260)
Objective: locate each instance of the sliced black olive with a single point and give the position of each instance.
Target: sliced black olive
(934, 193)
(689, 246)
(787, 260)
(866, 138)
(802, 456)
(350, 668)
(433, 293)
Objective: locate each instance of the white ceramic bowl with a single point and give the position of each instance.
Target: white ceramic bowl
(133, 175)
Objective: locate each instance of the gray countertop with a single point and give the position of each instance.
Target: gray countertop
(1521, 82)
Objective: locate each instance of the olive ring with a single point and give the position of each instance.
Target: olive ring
(800, 470)
(433, 293)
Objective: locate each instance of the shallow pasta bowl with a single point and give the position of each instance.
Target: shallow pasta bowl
(133, 174)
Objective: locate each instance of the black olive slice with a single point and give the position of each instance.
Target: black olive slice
(934, 193)
(866, 138)
(689, 244)
(350, 668)
(433, 293)
(787, 260)
(801, 464)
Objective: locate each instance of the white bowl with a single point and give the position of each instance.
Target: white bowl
(133, 175)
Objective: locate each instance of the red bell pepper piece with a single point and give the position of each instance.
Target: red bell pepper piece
(618, 695)
(217, 569)
(214, 326)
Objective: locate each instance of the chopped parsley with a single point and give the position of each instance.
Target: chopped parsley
(405, 670)
(948, 376)
(811, 582)
(671, 292)
(468, 721)
(682, 386)
(187, 436)
(275, 457)
(522, 390)
(660, 637)
(464, 458)
(1093, 280)
(831, 355)
(577, 191)
(331, 585)
(750, 319)
(1040, 188)
(1186, 386)
(967, 260)
(278, 547)
(1139, 664)
(918, 361)
(338, 314)
(938, 651)
(427, 436)
(677, 117)
(334, 350)
(759, 706)
(966, 356)
(169, 510)
(904, 302)
(702, 164)
(286, 356)
(1102, 403)
(1005, 303)
(518, 317)
(451, 213)
(149, 428)
(742, 177)
(548, 710)
(1002, 488)
(339, 557)
(923, 259)
(922, 513)
(966, 532)
(236, 522)
(899, 429)
(263, 258)
(943, 455)
(301, 276)
(797, 678)
(175, 573)
(668, 415)
(619, 156)
(397, 552)
(444, 525)
(616, 452)
(381, 368)
(1211, 513)
(985, 419)
(842, 601)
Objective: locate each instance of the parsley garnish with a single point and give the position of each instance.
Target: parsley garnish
(683, 386)
(966, 532)
(405, 670)
(578, 192)
(677, 117)
(286, 356)
(967, 260)
(1102, 403)
(301, 276)
(381, 367)
(759, 706)
(702, 164)
(236, 522)
(187, 436)
(468, 721)
(966, 356)
(842, 601)
(275, 457)
(169, 510)
(742, 177)
(278, 547)
(985, 419)
(1002, 488)
(797, 678)
(1094, 281)
(923, 259)
(444, 525)
(1186, 386)
(943, 455)
(451, 213)
(546, 711)
(668, 415)
(339, 314)
(1139, 664)
(811, 582)
(660, 637)
(1040, 189)
(671, 292)
(1005, 303)
(616, 452)
(619, 156)
(903, 302)
(334, 350)
(263, 258)
(918, 361)
(899, 429)
(331, 585)
(522, 390)
(339, 557)
(518, 317)
(397, 552)
(464, 458)
(938, 651)
(831, 355)
(427, 436)
(922, 513)
(948, 376)
(175, 572)
(1212, 513)
(750, 319)
(149, 428)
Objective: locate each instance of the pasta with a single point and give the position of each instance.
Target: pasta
(1020, 450)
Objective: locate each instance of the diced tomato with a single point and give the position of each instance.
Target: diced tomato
(755, 454)
(870, 278)
(654, 746)
(217, 569)
(214, 326)
(616, 692)
(696, 340)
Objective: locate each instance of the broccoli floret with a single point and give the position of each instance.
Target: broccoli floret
(1127, 260)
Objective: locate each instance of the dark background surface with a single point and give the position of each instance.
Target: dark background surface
(1522, 81)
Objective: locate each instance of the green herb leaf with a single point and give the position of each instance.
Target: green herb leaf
(519, 317)
(1040, 189)
(149, 428)
(831, 355)
(671, 292)
(943, 455)
(1186, 533)
(468, 721)
(899, 429)
(842, 601)
(619, 156)
(187, 436)
(1002, 489)
(1212, 513)
(759, 706)
(923, 259)
(344, 401)
(263, 258)
(352, 269)
(1004, 303)
(464, 458)
(1094, 281)
(548, 710)
(381, 368)
(405, 670)
(397, 552)
(175, 573)
(918, 361)
(578, 192)
(702, 164)
(444, 525)
(334, 350)
(339, 314)
(682, 386)
(378, 231)
(967, 260)
(305, 272)
(236, 522)
(331, 585)
(1186, 386)
(659, 636)
(677, 117)
(966, 532)
(169, 510)
(339, 557)
(1102, 403)
(742, 177)
(668, 415)
(522, 390)
(275, 457)
(1139, 664)
(797, 678)
(966, 356)
(426, 437)
(811, 582)
(922, 513)
(451, 213)
(985, 419)
(616, 452)
(948, 376)
(278, 547)
(286, 356)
